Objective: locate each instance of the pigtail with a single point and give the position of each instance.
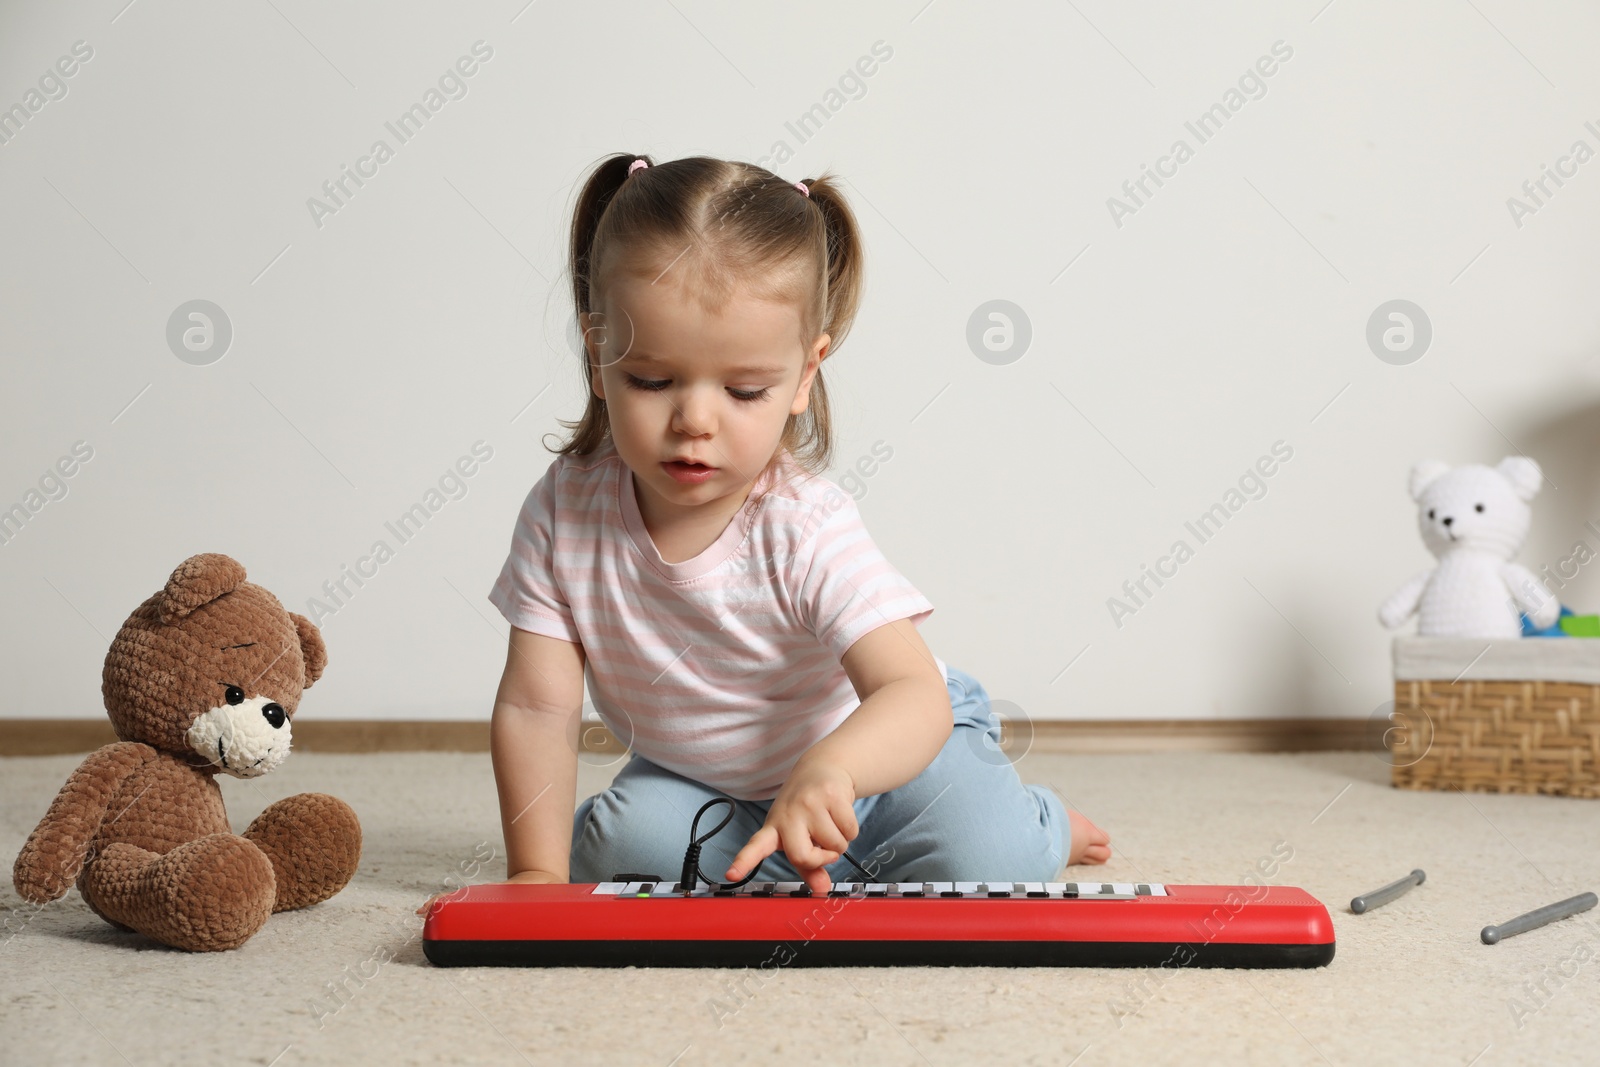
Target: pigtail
(809, 437)
(597, 192)
(846, 258)
(590, 431)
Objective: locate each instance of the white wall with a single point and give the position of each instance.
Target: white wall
(1222, 316)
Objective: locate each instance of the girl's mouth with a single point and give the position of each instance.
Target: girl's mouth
(688, 473)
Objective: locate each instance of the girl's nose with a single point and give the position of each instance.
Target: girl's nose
(693, 414)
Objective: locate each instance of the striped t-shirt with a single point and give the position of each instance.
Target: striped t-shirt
(724, 668)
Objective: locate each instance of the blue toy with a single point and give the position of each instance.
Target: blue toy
(1554, 629)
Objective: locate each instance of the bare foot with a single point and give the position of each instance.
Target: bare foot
(1090, 844)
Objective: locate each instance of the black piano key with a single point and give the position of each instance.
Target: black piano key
(803, 891)
(916, 890)
(1071, 891)
(1142, 889)
(723, 892)
(877, 890)
(1038, 892)
(835, 891)
(762, 889)
(952, 893)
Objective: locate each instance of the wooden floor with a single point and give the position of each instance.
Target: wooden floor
(48, 737)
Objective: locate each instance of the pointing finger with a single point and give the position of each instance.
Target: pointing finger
(758, 848)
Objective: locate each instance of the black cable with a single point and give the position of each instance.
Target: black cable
(860, 868)
(693, 876)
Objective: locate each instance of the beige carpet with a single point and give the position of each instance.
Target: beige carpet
(1410, 983)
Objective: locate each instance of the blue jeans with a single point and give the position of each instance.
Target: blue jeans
(966, 817)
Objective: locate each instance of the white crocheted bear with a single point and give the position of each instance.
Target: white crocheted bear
(1474, 519)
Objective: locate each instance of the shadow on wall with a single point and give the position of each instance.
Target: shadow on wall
(1564, 545)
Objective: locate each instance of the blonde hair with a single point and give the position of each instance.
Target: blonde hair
(748, 230)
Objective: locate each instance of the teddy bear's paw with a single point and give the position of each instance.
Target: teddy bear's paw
(113, 883)
(208, 895)
(314, 842)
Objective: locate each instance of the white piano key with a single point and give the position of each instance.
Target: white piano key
(783, 889)
(1003, 887)
(608, 889)
(970, 888)
(1125, 888)
(666, 889)
(1056, 887)
(1157, 889)
(1033, 887)
(942, 887)
(1090, 889)
(908, 887)
(842, 888)
(632, 888)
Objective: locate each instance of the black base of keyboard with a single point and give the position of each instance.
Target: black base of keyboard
(869, 954)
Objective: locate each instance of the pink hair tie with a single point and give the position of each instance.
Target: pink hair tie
(802, 187)
(635, 165)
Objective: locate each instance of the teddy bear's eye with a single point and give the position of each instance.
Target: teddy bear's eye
(1477, 507)
(1430, 513)
(235, 695)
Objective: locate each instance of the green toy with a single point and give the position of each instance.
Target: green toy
(1581, 625)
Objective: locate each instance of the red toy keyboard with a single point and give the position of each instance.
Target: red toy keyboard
(967, 924)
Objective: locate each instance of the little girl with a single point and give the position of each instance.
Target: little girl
(739, 629)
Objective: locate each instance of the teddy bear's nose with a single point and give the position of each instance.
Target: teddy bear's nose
(273, 713)
(1448, 519)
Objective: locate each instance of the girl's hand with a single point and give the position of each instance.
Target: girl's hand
(813, 817)
(544, 877)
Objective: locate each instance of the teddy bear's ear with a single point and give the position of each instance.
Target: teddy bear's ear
(198, 580)
(1424, 474)
(1523, 474)
(312, 650)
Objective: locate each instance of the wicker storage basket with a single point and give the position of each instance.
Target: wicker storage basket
(1507, 716)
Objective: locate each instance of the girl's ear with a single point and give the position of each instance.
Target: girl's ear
(591, 332)
(589, 338)
(814, 358)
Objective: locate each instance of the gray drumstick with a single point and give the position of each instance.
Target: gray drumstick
(1368, 901)
(1538, 917)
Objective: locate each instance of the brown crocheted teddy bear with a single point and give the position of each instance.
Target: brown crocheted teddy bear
(204, 677)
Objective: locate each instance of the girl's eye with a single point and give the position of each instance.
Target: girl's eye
(652, 386)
